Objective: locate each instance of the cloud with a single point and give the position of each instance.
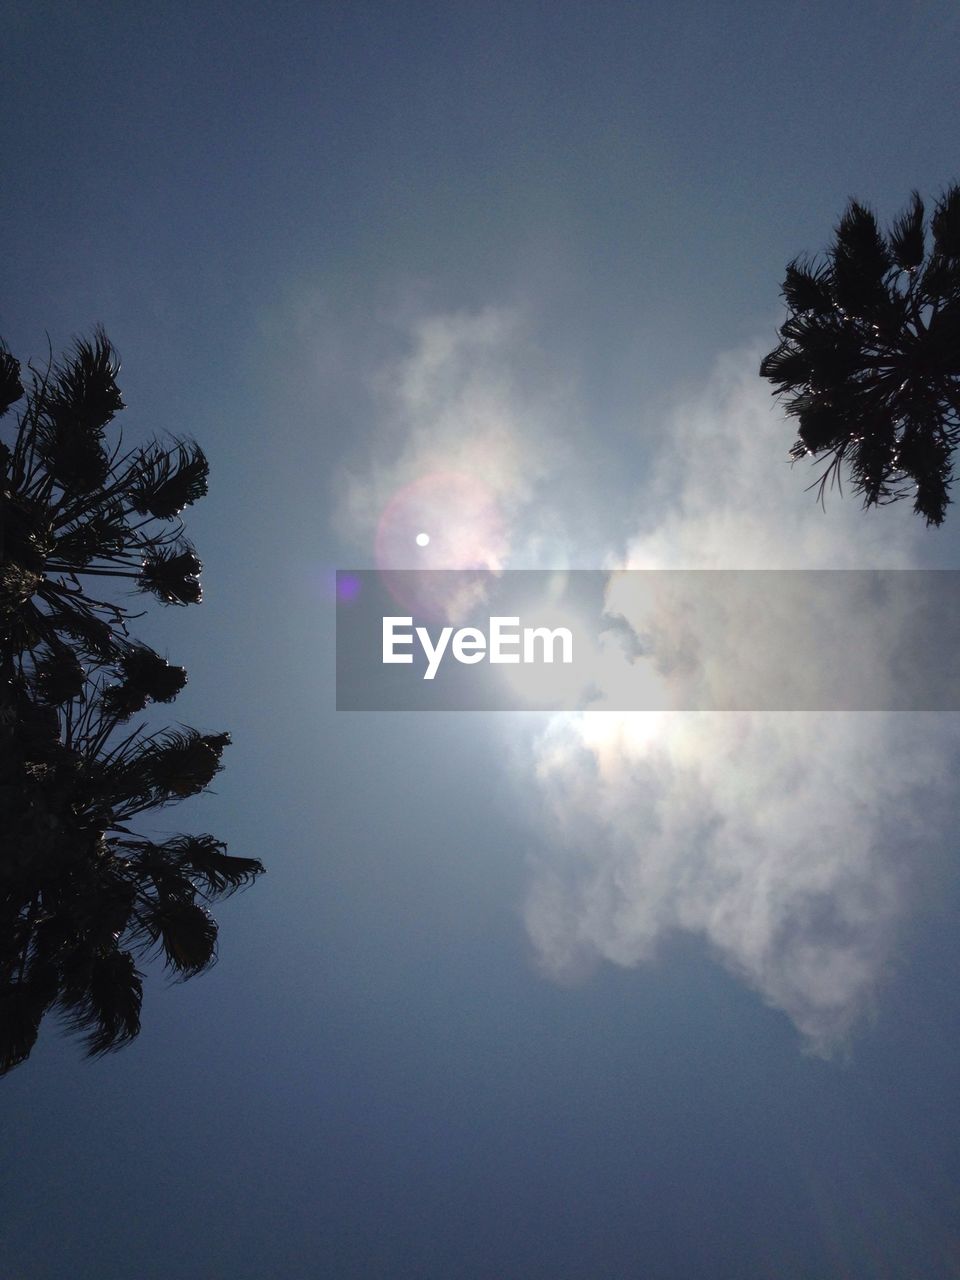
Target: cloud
(466, 420)
(788, 843)
(793, 844)
(723, 494)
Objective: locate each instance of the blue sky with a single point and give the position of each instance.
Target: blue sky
(520, 996)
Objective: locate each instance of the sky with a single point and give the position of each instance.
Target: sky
(545, 997)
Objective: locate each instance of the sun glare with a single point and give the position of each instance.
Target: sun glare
(468, 530)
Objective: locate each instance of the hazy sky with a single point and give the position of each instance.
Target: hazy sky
(532, 997)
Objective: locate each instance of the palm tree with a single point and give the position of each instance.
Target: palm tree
(83, 897)
(869, 357)
(74, 510)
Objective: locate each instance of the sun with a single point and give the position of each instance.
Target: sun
(442, 520)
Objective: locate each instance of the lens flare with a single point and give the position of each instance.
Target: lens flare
(468, 532)
(463, 515)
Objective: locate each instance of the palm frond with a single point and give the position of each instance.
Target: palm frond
(945, 223)
(187, 934)
(924, 455)
(807, 288)
(184, 763)
(102, 996)
(907, 239)
(60, 677)
(73, 408)
(860, 258)
(147, 772)
(169, 480)
(95, 637)
(11, 387)
(21, 1012)
(172, 574)
(871, 459)
(101, 535)
(932, 499)
(786, 367)
(206, 861)
(821, 428)
(147, 677)
(84, 393)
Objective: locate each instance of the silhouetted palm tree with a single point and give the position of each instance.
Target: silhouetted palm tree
(82, 896)
(869, 358)
(75, 510)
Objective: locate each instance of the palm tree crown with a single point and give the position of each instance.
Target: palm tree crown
(869, 357)
(82, 896)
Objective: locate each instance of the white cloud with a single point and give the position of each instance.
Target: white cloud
(791, 843)
(466, 422)
(724, 495)
(787, 842)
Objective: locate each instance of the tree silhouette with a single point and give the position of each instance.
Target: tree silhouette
(869, 357)
(82, 896)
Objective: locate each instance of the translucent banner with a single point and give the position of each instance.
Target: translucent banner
(636, 640)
